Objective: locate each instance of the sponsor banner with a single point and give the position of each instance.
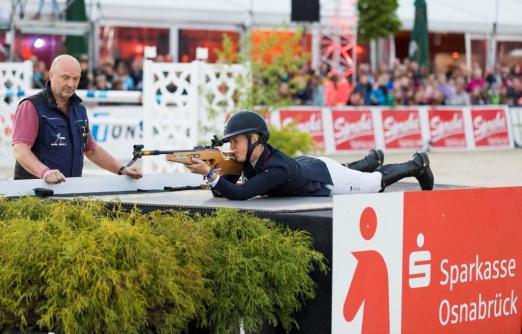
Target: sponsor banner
(401, 129)
(307, 120)
(462, 261)
(117, 128)
(458, 253)
(353, 130)
(490, 127)
(447, 128)
(367, 263)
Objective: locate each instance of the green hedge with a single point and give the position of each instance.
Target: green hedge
(77, 267)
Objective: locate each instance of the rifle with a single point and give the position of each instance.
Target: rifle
(212, 155)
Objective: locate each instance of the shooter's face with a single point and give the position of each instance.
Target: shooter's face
(239, 145)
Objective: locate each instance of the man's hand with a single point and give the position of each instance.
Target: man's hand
(198, 167)
(53, 176)
(134, 172)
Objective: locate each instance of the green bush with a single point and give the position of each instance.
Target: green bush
(291, 140)
(259, 271)
(77, 267)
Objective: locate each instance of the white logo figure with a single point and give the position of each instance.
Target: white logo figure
(420, 267)
(60, 141)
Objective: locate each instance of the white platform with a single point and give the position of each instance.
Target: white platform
(100, 184)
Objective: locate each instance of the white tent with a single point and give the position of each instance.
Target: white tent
(472, 16)
(466, 16)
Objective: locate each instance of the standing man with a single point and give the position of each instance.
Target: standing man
(51, 131)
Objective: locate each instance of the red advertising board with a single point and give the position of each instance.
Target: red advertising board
(353, 129)
(401, 129)
(462, 261)
(490, 128)
(310, 121)
(428, 262)
(447, 128)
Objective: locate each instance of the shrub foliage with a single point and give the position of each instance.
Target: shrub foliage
(78, 267)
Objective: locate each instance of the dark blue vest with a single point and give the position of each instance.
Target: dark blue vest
(61, 138)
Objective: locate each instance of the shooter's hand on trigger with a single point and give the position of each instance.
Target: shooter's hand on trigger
(198, 167)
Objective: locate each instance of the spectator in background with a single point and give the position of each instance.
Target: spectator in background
(438, 98)
(476, 82)
(317, 85)
(324, 69)
(415, 74)
(122, 74)
(337, 90)
(284, 90)
(461, 97)
(379, 92)
(430, 87)
(514, 93)
(304, 90)
(477, 97)
(364, 87)
(404, 92)
(444, 87)
(102, 82)
(364, 68)
(136, 73)
(117, 84)
(108, 71)
(356, 99)
(494, 77)
(420, 97)
(86, 75)
(496, 94)
(40, 74)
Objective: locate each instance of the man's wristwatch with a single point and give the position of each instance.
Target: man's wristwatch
(120, 171)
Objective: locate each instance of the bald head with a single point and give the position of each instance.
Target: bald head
(64, 75)
(64, 61)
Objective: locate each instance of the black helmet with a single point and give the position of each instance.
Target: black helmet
(246, 122)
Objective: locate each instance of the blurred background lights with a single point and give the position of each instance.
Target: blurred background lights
(39, 43)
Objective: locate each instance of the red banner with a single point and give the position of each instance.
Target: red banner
(428, 262)
(490, 127)
(401, 129)
(447, 128)
(310, 121)
(462, 261)
(353, 129)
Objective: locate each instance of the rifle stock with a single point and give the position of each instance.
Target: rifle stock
(214, 157)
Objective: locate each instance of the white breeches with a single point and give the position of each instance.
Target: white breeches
(349, 181)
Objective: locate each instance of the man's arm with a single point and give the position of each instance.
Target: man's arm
(25, 131)
(25, 157)
(103, 159)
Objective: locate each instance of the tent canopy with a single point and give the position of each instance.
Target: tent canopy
(473, 16)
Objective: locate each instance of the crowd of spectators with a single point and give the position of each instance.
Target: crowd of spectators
(110, 75)
(404, 83)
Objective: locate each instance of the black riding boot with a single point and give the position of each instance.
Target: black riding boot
(369, 163)
(418, 167)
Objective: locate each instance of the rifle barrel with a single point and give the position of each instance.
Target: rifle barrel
(159, 152)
